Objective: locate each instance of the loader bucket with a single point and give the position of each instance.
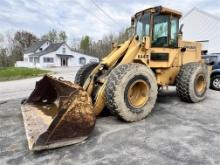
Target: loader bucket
(57, 113)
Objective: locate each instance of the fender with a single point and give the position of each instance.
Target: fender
(215, 72)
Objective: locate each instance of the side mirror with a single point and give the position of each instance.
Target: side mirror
(132, 21)
(181, 29)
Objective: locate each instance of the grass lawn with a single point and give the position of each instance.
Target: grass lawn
(13, 73)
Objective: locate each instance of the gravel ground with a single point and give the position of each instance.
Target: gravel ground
(174, 133)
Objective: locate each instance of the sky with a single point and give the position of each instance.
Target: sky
(95, 18)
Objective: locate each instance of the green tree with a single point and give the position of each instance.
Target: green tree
(85, 44)
(51, 36)
(16, 54)
(55, 36)
(62, 36)
(3, 57)
(103, 47)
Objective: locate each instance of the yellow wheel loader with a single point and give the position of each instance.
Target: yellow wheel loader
(126, 82)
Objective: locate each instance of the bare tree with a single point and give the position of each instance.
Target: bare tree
(102, 47)
(24, 39)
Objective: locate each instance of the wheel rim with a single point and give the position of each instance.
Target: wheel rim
(200, 84)
(138, 93)
(216, 83)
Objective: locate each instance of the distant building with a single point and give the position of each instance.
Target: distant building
(47, 54)
(203, 27)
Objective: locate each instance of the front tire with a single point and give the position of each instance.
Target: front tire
(215, 82)
(131, 91)
(84, 72)
(192, 82)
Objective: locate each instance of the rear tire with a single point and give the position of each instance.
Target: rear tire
(215, 82)
(192, 82)
(84, 72)
(131, 91)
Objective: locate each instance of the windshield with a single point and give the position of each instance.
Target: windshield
(143, 25)
(160, 31)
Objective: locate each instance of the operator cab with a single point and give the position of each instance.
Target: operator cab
(160, 24)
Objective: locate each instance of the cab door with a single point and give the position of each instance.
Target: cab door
(164, 41)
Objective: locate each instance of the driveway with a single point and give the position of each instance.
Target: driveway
(22, 88)
(174, 133)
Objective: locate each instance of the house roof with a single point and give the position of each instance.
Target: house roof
(35, 46)
(203, 12)
(64, 55)
(51, 48)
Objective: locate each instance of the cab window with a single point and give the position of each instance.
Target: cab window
(160, 31)
(174, 32)
(143, 25)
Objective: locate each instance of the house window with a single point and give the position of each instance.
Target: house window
(82, 60)
(48, 60)
(64, 50)
(92, 60)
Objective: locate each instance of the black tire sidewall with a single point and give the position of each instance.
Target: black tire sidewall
(212, 80)
(122, 108)
(186, 81)
(200, 70)
(84, 72)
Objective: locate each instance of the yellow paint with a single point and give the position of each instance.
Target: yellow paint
(134, 51)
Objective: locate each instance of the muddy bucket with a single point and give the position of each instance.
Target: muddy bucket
(57, 113)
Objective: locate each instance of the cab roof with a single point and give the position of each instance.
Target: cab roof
(161, 9)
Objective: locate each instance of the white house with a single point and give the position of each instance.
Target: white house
(47, 54)
(204, 27)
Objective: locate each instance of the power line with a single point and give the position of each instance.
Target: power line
(103, 11)
(95, 16)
